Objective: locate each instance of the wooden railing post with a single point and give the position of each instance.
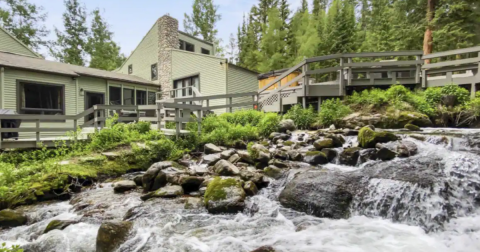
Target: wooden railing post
(417, 71)
(95, 119)
(75, 129)
(37, 132)
(230, 99)
(177, 122)
(199, 121)
(305, 86)
(159, 116)
(350, 73)
(341, 79)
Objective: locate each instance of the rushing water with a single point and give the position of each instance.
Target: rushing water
(164, 225)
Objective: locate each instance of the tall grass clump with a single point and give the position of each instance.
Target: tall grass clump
(303, 118)
(331, 111)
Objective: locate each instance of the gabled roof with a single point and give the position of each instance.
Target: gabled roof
(42, 65)
(20, 42)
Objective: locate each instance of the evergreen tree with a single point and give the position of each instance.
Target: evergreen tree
(319, 5)
(273, 43)
(304, 6)
(232, 49)
(307, 37)
(70, 45)
(104, 53)
(202, 20)
(340, 28)
(264, 7)
(25, 21)
(252, 56)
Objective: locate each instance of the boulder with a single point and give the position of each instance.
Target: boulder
(449, 100)
(350, 156)
(264, 249)
(59, 225)
(330, 153)
(123, 186)
(112, 234)
(367, 138)
(211, 148)
(211, 159)
(286, 125)
(415, 118)
(164, 192)
(315, 158)
(224, 195)
(234, 158)
(225, 168)
(323, 143)
(250, 188)
(193, 203)
(150, 182)
(273, 172)
(278, 163)
(338, 140)
(228, 153)
(10, 218)
(263, 157)
(257, 178)
(294, 155)
(386, 154)
(406, 148)
(367, 155)
(239, 144)
(138, 180)
(190, 183)
(275, 136)
(245, 157)
(412, 127)
(323, 193)
(280, 154)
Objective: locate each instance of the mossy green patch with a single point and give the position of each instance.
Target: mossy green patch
(216, 188)
(412, 127)
(314, 153)
(367, 138)
(288, 143)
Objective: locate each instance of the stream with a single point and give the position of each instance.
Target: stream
(164, 224)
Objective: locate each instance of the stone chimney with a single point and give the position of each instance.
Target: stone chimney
(168, 39)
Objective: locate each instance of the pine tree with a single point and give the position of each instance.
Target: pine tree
(304, 6)
(273, 43)
(26, 21)
(252, 56)
(104, 53)
(307, 37)
(70, 45)
(319, 5)
(202, 20)
(264, 7)
(340, 28)
(232, 49)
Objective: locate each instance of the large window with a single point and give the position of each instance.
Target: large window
(41, 99)
(128, 97)
(183, 83)
(141, 97)
(151, 98)
(115, 94)
(186, 46)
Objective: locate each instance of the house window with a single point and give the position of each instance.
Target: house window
(154, 71)
(41, 99)
(141, 97)
(152, 98)
(115, 95)
(183, 83)
(128, 98)
(186, 46)
(130, 69)
(205, 51)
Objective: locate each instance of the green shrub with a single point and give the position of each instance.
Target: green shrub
(142, 127)
(375, 97)
(433, 96)
(243, 117)
(463, 95)
(331, 111)
(13, 248)
(420, 103)
(474, 105)
(303, 118)
(268, 124)
(398, 93)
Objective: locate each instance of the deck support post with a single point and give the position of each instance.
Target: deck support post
(473, 90)
(37, 133)
(305, 87)
(177, 123)
(75, 125)
(341, 80)
(319, 105)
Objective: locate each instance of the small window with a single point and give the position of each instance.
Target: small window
(41, 99)
(154, 71)
(115, 95)
(205, 51)
(130, 69)
(141, 97)
(186, 46)
(128, 98)
(152, 98)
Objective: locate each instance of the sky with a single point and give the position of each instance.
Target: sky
(130, 20)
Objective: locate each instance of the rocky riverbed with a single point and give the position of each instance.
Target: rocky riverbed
(362, 189)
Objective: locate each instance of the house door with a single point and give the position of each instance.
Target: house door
(92, 99)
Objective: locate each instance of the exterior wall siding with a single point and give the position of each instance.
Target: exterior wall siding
(199, 44)
(9, 44)
(89, 84)
(240, 81)
(144, 56)
(212, 74)
(11, 96)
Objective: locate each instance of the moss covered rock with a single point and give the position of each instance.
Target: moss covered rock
(224, 195)
(58, 224)
(412, 127)
(315, 157)
(386, 154)
(264, 249)
(367, 138)
(323, 143)
(250, 188)
(273, 172)
(112, 234)
(350, 156)
(11, 218)
(165, 192)
(225, 168)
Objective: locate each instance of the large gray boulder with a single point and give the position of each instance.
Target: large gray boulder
(286, 125)
(165, 192)
(112, 234)
(150, 181)
(211, 159)
(322, 193)
(10, 218)
(58, 225)
(224, 195)
(225, 168)
(315, 157)
(123, 186)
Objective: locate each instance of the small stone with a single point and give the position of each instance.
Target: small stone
(368, 154)
(59, 225)
(273, 172)
(330, 153)
(212, 148)
(245, 157)
(323, 143)
(332, 127)
(228, 153)
(225, 168)
(112, 234)
(294, 155)
(278, 163)
(280, 154)
(350, 156)
(164, 192)
(123, 186)
(386, 154)
(412, 127)
(418, 137)
(10, 218)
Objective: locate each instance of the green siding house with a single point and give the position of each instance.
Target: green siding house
(166, 59)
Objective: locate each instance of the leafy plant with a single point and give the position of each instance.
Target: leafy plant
(303, 118)
(462, 95)
(13, 248)
(331, 111)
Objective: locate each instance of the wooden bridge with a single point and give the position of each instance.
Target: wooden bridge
(320, 77)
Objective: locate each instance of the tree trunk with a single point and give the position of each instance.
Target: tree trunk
(428, 38)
